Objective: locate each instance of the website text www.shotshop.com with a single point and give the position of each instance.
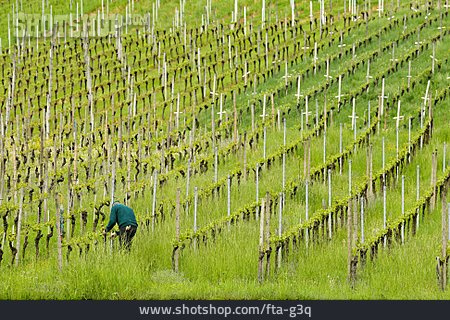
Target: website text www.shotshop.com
(225, 311)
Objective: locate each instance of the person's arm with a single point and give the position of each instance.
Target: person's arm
(112, 219)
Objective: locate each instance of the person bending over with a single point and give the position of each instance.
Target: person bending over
(125, 218)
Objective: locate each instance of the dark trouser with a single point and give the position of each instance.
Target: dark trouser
(126, 234)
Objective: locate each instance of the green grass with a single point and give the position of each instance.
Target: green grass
(319, 273)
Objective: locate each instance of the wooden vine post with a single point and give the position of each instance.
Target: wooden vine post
(307, 151)
(188, 175)
(155, 180)
(307, 211)
(350, 259)
(59, 212)
(433, 179)
(284, 155)
(175, 255)
(245, 156)
(443, 261)
(370, 172)
(444, 160)
(267, 247)
(19, 226)
(384, 211)
(257, 187)
(264, 142)
(280, 228)
(74, 181)
(195, 215)
(330, 199)
(403, 210)
(417, 194)
(235, 138)
(215, 164)
(228, 198)
(340, 148)
(2, 156)
(261, 241)
(113, 183)
(41, 168)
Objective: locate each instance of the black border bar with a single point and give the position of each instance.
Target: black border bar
(219, 309)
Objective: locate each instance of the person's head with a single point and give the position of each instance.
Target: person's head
(115, 202)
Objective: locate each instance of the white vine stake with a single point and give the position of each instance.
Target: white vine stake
(409, 74)
(298, 95)
(350, 177)
(228, 195)
(195, 215)
(327, 75)
(307, 200)
(353, 118)
(425, 101)
(382, 97)
(221, 112)
(292, 3)
(264, 115)
(178, 112)
(433, 57)
(398, 118)
(265, 138)
(188, 176)
(263, 13)
(215, 165)
(315, 58)
(368, 76)
(257, 181)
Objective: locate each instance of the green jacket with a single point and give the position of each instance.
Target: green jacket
(122, 215)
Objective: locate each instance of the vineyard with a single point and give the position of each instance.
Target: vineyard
(270, 149)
